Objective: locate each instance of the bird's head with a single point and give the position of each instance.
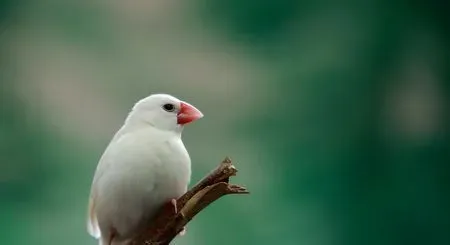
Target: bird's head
(164, 112)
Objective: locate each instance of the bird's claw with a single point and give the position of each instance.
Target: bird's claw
(174, 204)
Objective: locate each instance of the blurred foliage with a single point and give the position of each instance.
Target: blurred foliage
(341, 177)
(374, 193)
(5, 8)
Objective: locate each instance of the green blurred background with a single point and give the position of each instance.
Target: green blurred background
(335, 112)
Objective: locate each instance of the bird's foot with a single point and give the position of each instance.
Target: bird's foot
(174, 204)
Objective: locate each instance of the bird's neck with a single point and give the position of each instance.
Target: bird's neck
(131, 126)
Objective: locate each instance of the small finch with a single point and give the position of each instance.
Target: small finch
(145, 166)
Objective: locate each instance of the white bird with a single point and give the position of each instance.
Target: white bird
(144, 166)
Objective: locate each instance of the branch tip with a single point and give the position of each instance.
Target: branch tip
(227, 160)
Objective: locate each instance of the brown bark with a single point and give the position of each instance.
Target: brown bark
(171, 220)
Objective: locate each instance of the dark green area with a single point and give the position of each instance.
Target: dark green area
(378, 192)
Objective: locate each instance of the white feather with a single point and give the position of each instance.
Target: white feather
(144, 166)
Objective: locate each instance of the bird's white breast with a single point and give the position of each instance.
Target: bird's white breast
(139, 172)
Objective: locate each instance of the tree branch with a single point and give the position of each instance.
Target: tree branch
(168, 222)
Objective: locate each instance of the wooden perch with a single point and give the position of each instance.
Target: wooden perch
(171, 220)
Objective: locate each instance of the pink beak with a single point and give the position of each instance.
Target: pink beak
(188, 113)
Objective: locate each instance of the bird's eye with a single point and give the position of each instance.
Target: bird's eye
(169, 107)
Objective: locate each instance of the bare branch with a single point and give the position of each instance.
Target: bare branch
(167, 223)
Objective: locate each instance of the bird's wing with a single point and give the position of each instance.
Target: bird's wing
(92, 223)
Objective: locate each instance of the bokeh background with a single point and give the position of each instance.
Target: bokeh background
(335, 112)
